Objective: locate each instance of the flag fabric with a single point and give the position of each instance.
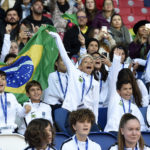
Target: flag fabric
(34, 62)
(71, 17)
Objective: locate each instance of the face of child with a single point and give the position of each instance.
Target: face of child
(122, 55)
(2, 83)
(92, 47)
(48, 131)
(87, 65)
(35, 94)
(90, 5)
(14, 48)
(126, 91)
(131, 132)
(60, 65)
(97, 61)
(116, 22)
(82, 128)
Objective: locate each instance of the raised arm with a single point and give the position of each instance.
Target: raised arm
(63, 52)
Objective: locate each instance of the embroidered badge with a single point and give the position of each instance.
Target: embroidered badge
(33, 115)
(120, 103)
(81, 79)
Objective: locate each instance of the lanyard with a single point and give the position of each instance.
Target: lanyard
(4, 107)
(86, 145)
(83, 87)
(61, 86)
(147, 61)
(129, 110)
(100, 86)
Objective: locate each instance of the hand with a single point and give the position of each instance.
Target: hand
(81, 39)
(23, 35)
(27, 108)
(144, 39)
(34, 28)
(8, 28)
(117, 52)
(105, 61)
(135, 66)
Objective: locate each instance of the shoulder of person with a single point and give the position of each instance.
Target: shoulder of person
(113, 147)
(45, 104)
(10, 94)
(96, 145)
(146, 147)
(66, 142)
(28, 148)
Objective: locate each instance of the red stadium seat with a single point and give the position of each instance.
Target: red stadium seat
(141, 11)
(132, 19)
(123, 11)
(131, 3)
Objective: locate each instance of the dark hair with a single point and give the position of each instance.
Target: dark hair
(12, 9)
(113, 17)
(91, 15)
(103, 70)
(81, 115)
(35, 132)
(121, 140)
(32, 83)
(2, 73)
(10, 55)
(120, 46)
(120, 83)
(126, 75)
(91, 40)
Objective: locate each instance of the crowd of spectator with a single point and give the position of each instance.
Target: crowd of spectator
(99, 65)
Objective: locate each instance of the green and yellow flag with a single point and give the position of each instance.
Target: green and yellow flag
(71, 17)
(34, 62)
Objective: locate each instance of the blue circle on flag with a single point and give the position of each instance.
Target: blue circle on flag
(19, 72)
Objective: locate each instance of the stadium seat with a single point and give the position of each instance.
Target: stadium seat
(59, 139)
(141, 11)
(131, 3)
(102, 117)
(123, 10)
(143, 111)
(132, 19)
(61, 119)
(12, 141)
(105, 140)
(146, 137)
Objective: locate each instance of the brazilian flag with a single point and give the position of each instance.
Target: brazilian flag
(71, 18)
(34, 62)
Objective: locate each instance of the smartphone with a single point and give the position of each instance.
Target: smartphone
(104, 53)
(104, 29)
(147, 25)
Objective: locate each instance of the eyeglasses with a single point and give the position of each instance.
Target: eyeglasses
(79, 17)
(96, 57)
